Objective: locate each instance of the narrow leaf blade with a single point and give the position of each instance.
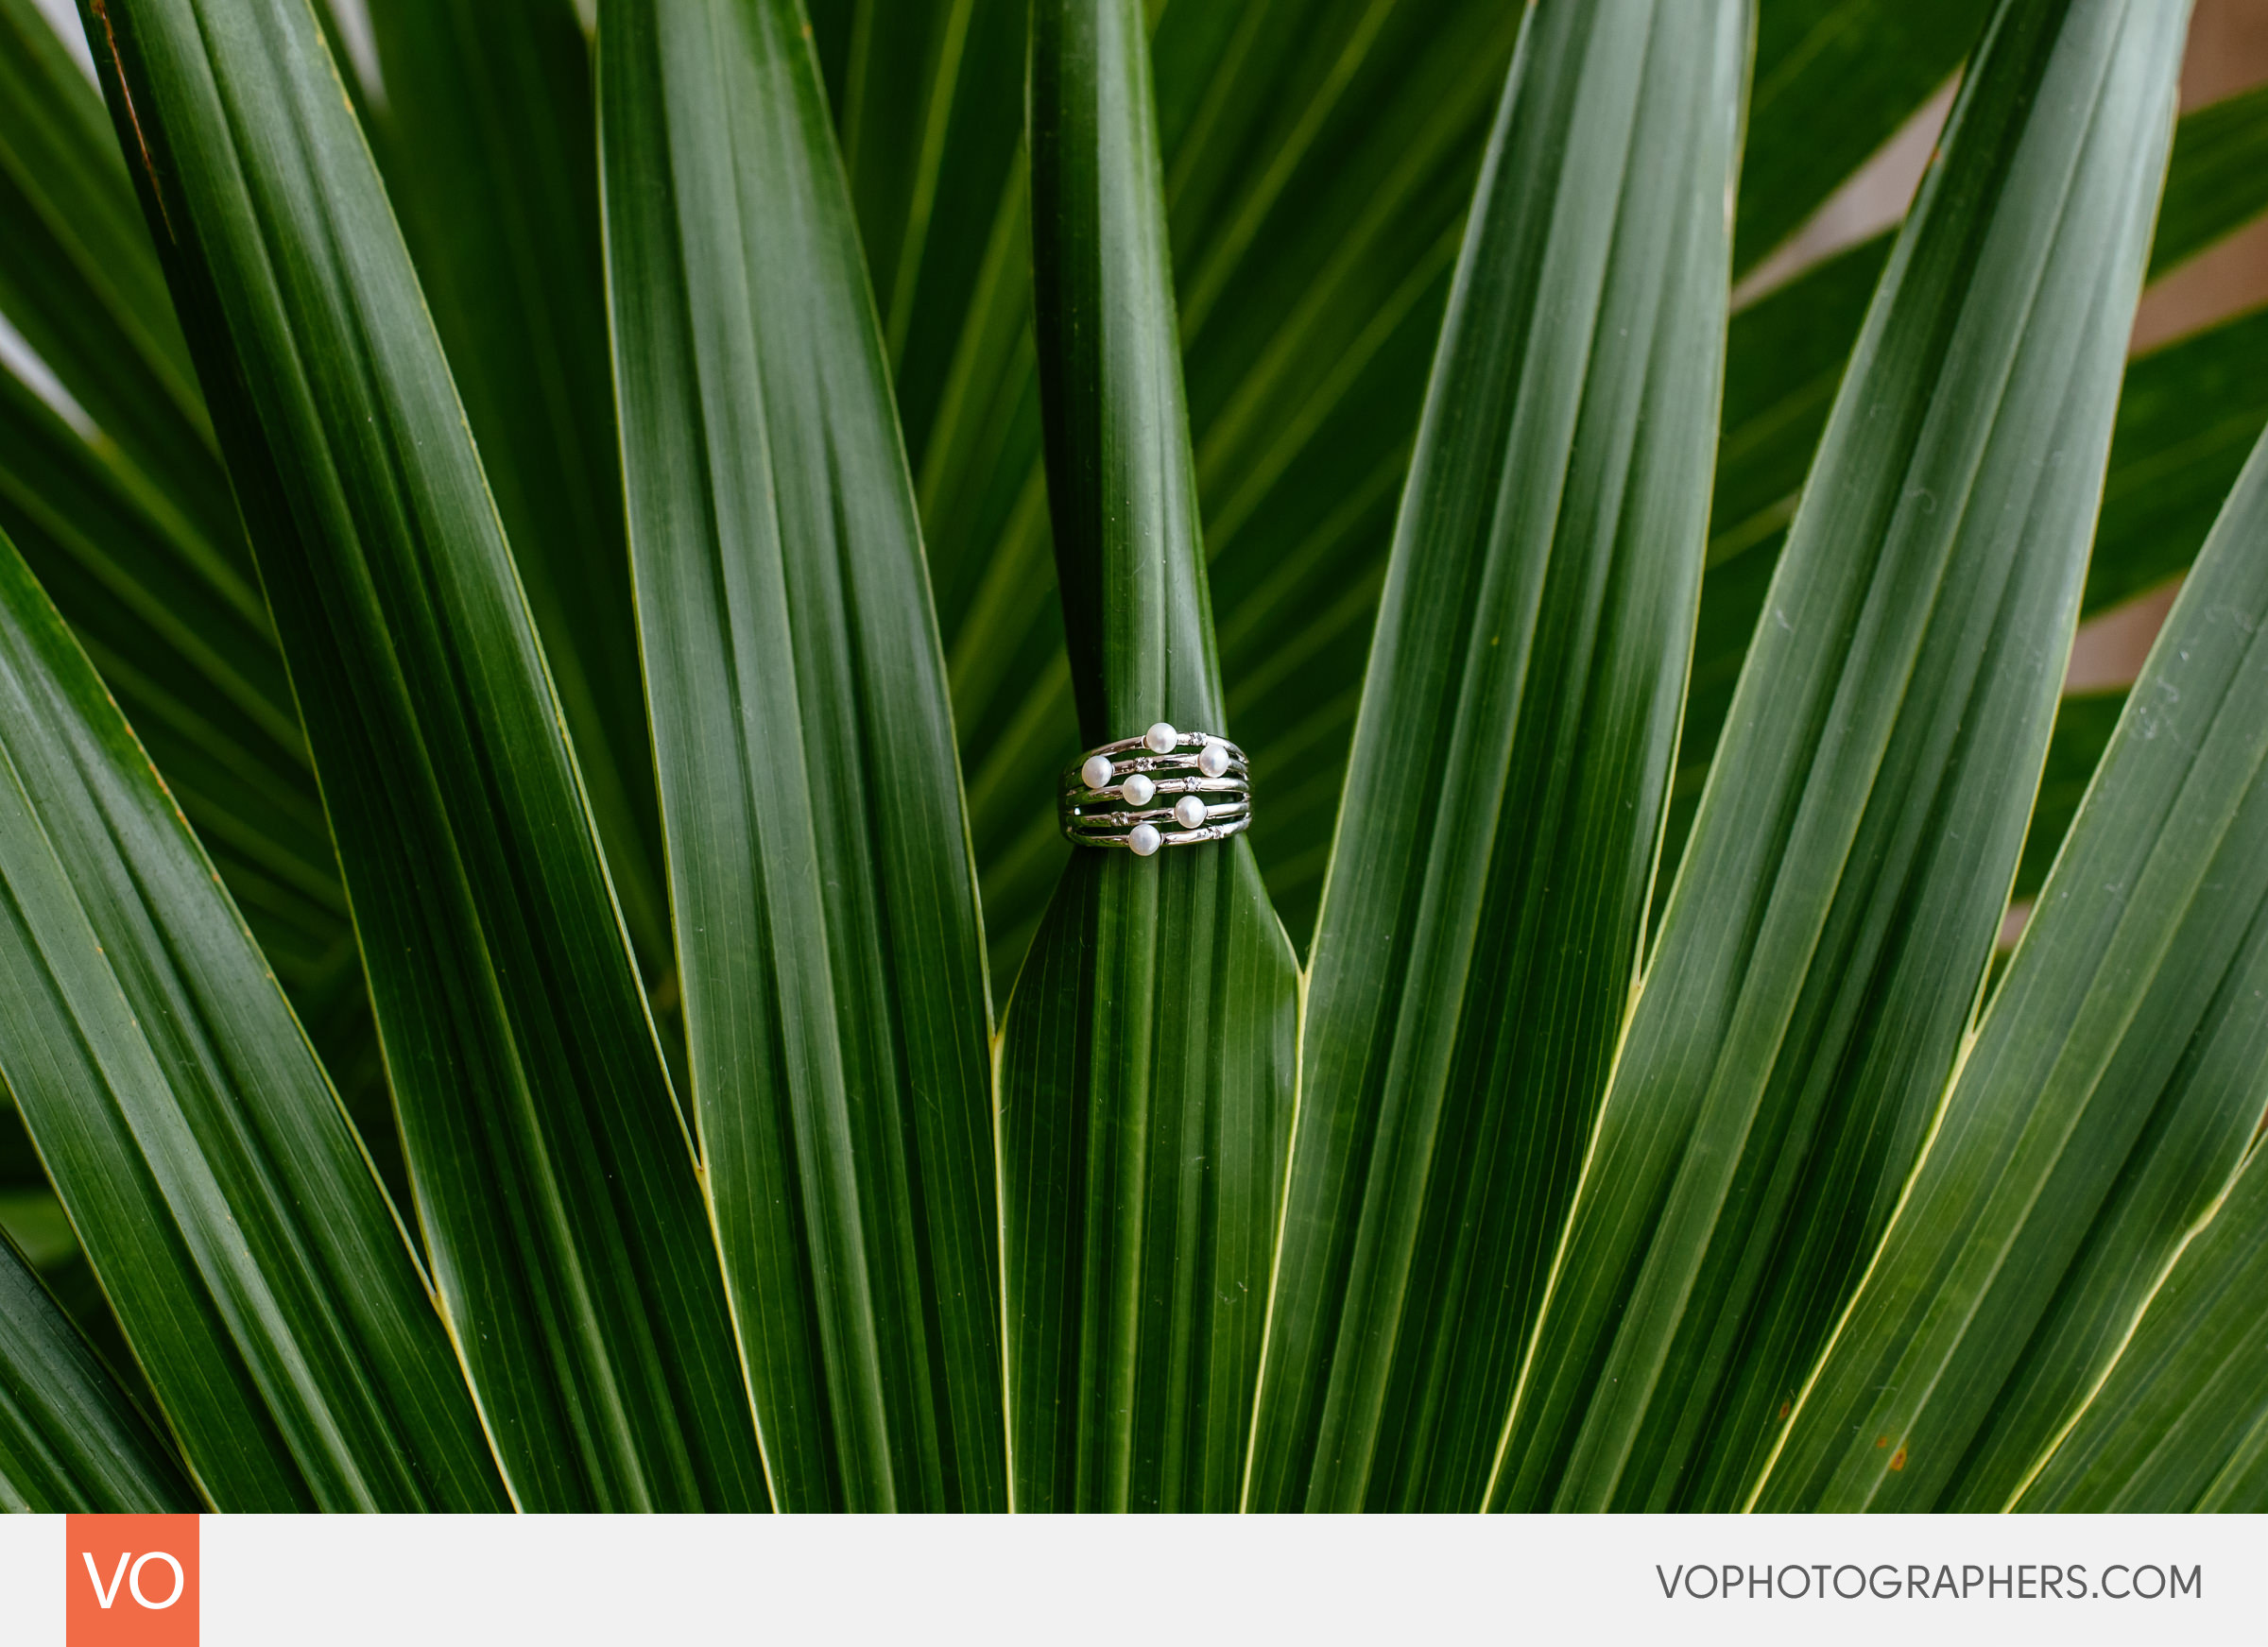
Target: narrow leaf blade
(1482, 923)
(2187, 414)
(491, 147)
(2113, 1088)
(70, 1437)
(1834, 911)
(1147, 1066)
(1317, 156)
(263, 1281)
(829, 941)
(81, 280)
(554, 1175)
(132, 528)
(2218, 179)
(2181, 1423)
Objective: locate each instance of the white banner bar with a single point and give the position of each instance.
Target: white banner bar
(1916, 1582)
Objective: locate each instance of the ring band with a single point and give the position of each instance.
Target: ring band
(1166, 788)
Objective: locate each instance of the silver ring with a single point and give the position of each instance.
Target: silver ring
(1166, 788)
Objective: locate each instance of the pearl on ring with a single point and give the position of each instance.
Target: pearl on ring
(1144, 840)
(1162, 738)
(1189, 812)
(1213, 760)
(1138, 790)
(1097, 772)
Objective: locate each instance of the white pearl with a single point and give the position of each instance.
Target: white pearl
(1162, 738)
(1144, 840)
(1213, 760)
(1138, 790)
(1097, 772)
(1189, 812)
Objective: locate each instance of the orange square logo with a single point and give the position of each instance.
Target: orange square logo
(130, 1581)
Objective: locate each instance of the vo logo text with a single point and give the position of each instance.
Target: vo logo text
(130, 1581)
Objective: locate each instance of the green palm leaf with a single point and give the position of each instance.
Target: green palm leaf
(1301, 470)
(2219, 177)
(489, 140)
(1330, 146)
(2178, 1424)
(263, 1281)
(928, 103)
(192, 654)
(1836, 905)
(829, 941)
(188, 654)
(554, 1175)
(1476, 951)
(2110, 1093)
(2187, 415)
(1548, 1185)
(80, 280)
(133, 532)
(1146, 1072)
(70, 1437)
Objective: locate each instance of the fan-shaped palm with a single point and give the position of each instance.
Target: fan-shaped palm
(1646, 1126)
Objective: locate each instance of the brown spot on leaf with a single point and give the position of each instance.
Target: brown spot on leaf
(1785, 1408)
(1898, 1459)
(1881, 1440)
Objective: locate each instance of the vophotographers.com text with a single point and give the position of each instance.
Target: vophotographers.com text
(1887, 1581)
